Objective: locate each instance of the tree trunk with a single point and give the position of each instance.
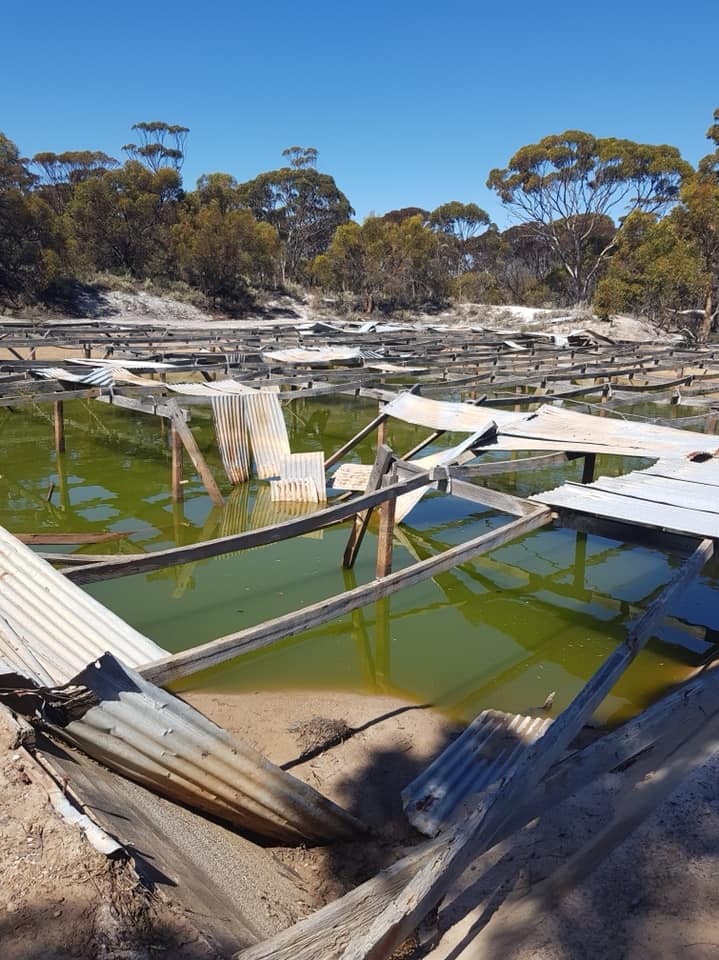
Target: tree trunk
(707, 321)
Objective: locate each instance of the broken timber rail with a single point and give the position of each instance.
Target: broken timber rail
(374, 918)
(253, 638)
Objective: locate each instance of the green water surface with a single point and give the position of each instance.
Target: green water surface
(535, 616)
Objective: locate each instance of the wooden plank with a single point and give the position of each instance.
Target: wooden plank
(20, 399)
(385, 536)
(66, 539)
(472, 836)
(176, 468)
(151, 405)
(326, 931)
(126, 566)
(590, 460)
(504, 502)
(380, 467)
(58, 426)
(253, 638)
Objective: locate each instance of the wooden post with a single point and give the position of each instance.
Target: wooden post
(381, 430)
(381, 465)
(588, 470)
(198, 460)
(59, 426)
(176, 474)
(386, 535)
(382, 642)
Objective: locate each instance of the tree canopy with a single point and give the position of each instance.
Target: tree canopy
(564, 186)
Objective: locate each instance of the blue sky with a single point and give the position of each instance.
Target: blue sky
(408, 103)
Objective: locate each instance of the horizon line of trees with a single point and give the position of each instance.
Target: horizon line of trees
(620, 225)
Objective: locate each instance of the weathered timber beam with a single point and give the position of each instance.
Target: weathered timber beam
(325, 932)
(181, 430)
(44, 397)
(504, 502)
(126, 566)
(67, 539)
(151, 405)
(357, 438)
(253, 638)
(381, 465)
(465, 841)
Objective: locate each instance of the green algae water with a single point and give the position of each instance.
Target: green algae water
(537, 615)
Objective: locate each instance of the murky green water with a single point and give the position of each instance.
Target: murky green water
(537, 615)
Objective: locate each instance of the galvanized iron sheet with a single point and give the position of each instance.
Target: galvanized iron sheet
(580, 431)
(443, 415)
(228, 411)
(157, 740)
(268, 433)
(486, 751)
(49, 628)
(302, 478)
(314, 356)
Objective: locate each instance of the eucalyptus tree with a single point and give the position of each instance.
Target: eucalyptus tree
(160, 144)
(304, 205)
(565, 186)
(32, 247)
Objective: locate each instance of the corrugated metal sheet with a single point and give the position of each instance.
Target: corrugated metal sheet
(157, 740)
(302, 478)
(706, 472)
(228, 412)
(268, 433)
(444, 415)
(49, 628)
(587, 498)
(580, 431)
(490, 746)
(312, 356)
(457, 454)
(101, 377)
(299, 490)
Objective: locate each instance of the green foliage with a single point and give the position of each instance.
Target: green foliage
(122, 219)
(655, 271)
(565, 187)
(161, 145)
(223, 251)
(389, 265)
(303, 205)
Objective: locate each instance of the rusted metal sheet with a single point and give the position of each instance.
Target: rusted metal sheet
(157, 740)
(49, 628)
(486, 751)
(228, 412)
(268, 433)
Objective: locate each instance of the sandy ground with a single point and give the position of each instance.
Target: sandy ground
(59, 897)
(143, 308)
(652, 894)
